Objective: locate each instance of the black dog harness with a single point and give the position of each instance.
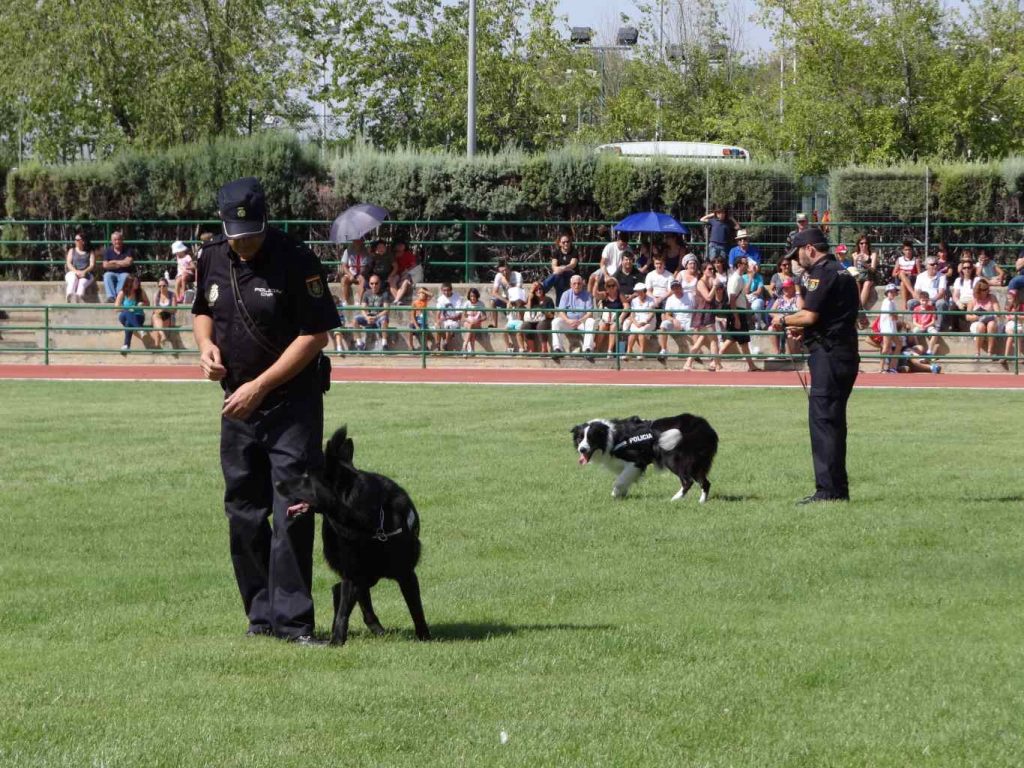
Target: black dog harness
(636, 443)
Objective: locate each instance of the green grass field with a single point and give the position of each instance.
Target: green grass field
(594, 632)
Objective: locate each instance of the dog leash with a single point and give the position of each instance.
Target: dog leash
(380, 534)
(793, 361)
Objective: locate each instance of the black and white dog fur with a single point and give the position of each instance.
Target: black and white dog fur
(685, 445)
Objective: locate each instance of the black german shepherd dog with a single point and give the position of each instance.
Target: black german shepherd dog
(370, 532)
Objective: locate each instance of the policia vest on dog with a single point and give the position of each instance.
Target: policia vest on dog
(284, 291)
(635, 441)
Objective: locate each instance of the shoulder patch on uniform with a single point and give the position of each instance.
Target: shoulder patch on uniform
(315, 286)
(812, 284)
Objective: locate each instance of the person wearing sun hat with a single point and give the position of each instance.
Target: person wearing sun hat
(828, 322)
(262, 313)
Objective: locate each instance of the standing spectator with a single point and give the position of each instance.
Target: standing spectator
(564, 262)
(164, 313)
(678, 317)
(641, 320)
(743, 249)
(924, 324)
(610, 303)
(989, 270)
(514, 320)
(933, 282)
(131, 299)
(905, 272)
(711, 296)
(983, 315)
(611, 260)
(186, 270)
(537, 319)
(721, 232)
(79, 263)
(801, 225)
(355, 262)
(575, 313)
(449, 316)
(738, 321)
(374, 315)
(419, 325)
(627, 275)
(472, 320)
(659, 282)
(672, 252)
(405, 273)
(945, 262)
(117, 265)
(889, 330)
(865, 263)
(504, 281)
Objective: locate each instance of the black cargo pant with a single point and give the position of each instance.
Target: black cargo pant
(833, 373)
(273, 567)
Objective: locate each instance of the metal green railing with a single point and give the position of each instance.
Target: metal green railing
(427, 329)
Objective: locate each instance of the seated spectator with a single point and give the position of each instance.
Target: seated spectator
(658, 281)
(924, 323)
(1015, 304)
(339, 332)
(757, 294)
(118, 261)
(989, 270)
(355, 262)
(711, 295)
(640, 320)
(983, 316)
(865, 264)
(505, 279)
(164, 313)
(514, 320)
(537, 320)
(382, 262)
(721, 270)
(908, 361)
(449, 317)
(564, 263)
(575, 313)
(419, 323)
(932, 282)
(784, 272)
(131, 299)
(743, 249)
(186, 274)
(610, 305)
(905, 272)
(842, 254)
(678, 317)
(374, 315)
(672, 251)
(80, 264)
(786, 303)
(611, 260)
(472, 320)
(889, 325)
(405, 273)
(962, 293)
(627, 275)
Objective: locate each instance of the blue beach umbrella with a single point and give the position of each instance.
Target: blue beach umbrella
(651, 221)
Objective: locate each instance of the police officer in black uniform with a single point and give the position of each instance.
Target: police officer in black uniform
(829, 325)
(262, 315)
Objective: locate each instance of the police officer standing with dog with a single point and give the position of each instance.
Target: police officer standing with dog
(262, 316)
(828, 322)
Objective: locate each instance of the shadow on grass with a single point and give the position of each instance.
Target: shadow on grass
(1014, 497)
(470, 631)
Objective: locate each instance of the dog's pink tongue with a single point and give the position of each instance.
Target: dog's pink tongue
(298, 509)
(583, 459)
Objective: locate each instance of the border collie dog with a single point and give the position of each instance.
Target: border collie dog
(371, 532)
(685, 445)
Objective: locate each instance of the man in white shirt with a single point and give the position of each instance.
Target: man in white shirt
(504, 280)
(933, 282)
(738, 327)
(678, 317)
(611, 260)
(449, 315)
(659, 281)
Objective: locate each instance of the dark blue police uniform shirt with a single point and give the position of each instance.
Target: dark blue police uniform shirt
(284, 290)
(831, 292)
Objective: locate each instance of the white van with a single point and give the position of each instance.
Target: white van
(677, 150)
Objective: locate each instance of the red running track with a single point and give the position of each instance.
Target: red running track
(481, 375)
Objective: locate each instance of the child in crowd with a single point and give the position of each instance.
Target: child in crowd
(472, 320)
(924, 322)
(419, 325)
(889, 329)
(186, 274)
(514, 319)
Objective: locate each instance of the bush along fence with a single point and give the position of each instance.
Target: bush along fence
(425, 334)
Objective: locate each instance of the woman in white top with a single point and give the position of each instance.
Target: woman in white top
(641, 319)
(983, 319)
(80, 263)
(963, 292)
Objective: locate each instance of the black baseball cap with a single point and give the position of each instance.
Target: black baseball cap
(810, 236)
(243, 207)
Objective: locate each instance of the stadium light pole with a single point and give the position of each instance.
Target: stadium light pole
(471, 85)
